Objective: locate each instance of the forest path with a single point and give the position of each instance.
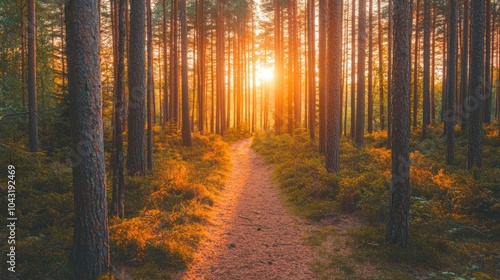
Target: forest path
(251, 235)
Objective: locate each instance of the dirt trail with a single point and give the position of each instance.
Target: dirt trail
(252, 235)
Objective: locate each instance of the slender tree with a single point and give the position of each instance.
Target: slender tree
(427, 68)
(487, 62)
(464, 64)
(150, 88)
(186, 129)
(136, 156)
(32, 95)
(90, 253)
(451, 80)
(389, 73)
(360, 106)
(476, 87)
(334, 88)
(370, 67)
(399, 218)
(322, 71)
(118, 199)
(353, 71)
(311, 60)
(415, 64)
(165, 104)
(380, 67)
(201, 66)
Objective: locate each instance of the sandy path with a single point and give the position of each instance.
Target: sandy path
(252, 235)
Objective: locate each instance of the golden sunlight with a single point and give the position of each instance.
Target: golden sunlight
(265, 74)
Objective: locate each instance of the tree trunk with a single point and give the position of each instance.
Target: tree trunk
(311, 68)
(174, 72)
(370, 67)
(136, 157)
(353, 72)
(415, 65)
(476, 87)
(398, 224)
(90, 253)
(487, 63)
(389, 75)
(380, 66)
(322, 68)
(118, 199)
(151, 89)
(201, 67)
(427, 68)
(186, 129)
(166, 111)
(334, 88)
(221, 113)
(360, 106)
(449, 116)
(32, 95)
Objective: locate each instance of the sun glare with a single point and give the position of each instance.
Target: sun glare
(265, 74)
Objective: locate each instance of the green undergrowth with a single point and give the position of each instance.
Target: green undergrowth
(455, 214)
(238, 133)
(165, 210)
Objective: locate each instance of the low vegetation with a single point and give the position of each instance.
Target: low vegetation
(455, 214)
(165, 211)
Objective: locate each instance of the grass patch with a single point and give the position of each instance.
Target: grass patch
(454, 213)
(165, 210)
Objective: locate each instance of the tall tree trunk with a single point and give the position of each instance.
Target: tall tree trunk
(487, 63)
(353, 72)
(433, 67)
(118, 199)
(360, 106)
(322, 71)
(174, 71)
(334, 88)
(150, 88)
(166, 111)
(370, 67)
(311, 68)
(389, 74)
(220, 119)
(201, 67)
(380, 66)
(136, 156)
(32, 95)
(90, 253)
(451, 80)
(186, 129)
(278, 68)
(427, 68)
(399, 218)
(476, 87)
(415, 64)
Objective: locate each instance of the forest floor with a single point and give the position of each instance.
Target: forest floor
(252, 235)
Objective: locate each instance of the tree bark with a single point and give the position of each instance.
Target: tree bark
(311, 68)
(90, 253)
(186, 129)
(32, 92)
(360, 106)
(136, 156)
(427, 68)
(398, 224)
(334, 88)
(449, 116)
(150, 88)
(370, 67)
(118, 199)
(476, 87)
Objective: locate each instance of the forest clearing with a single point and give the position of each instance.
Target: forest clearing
(250, 139)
